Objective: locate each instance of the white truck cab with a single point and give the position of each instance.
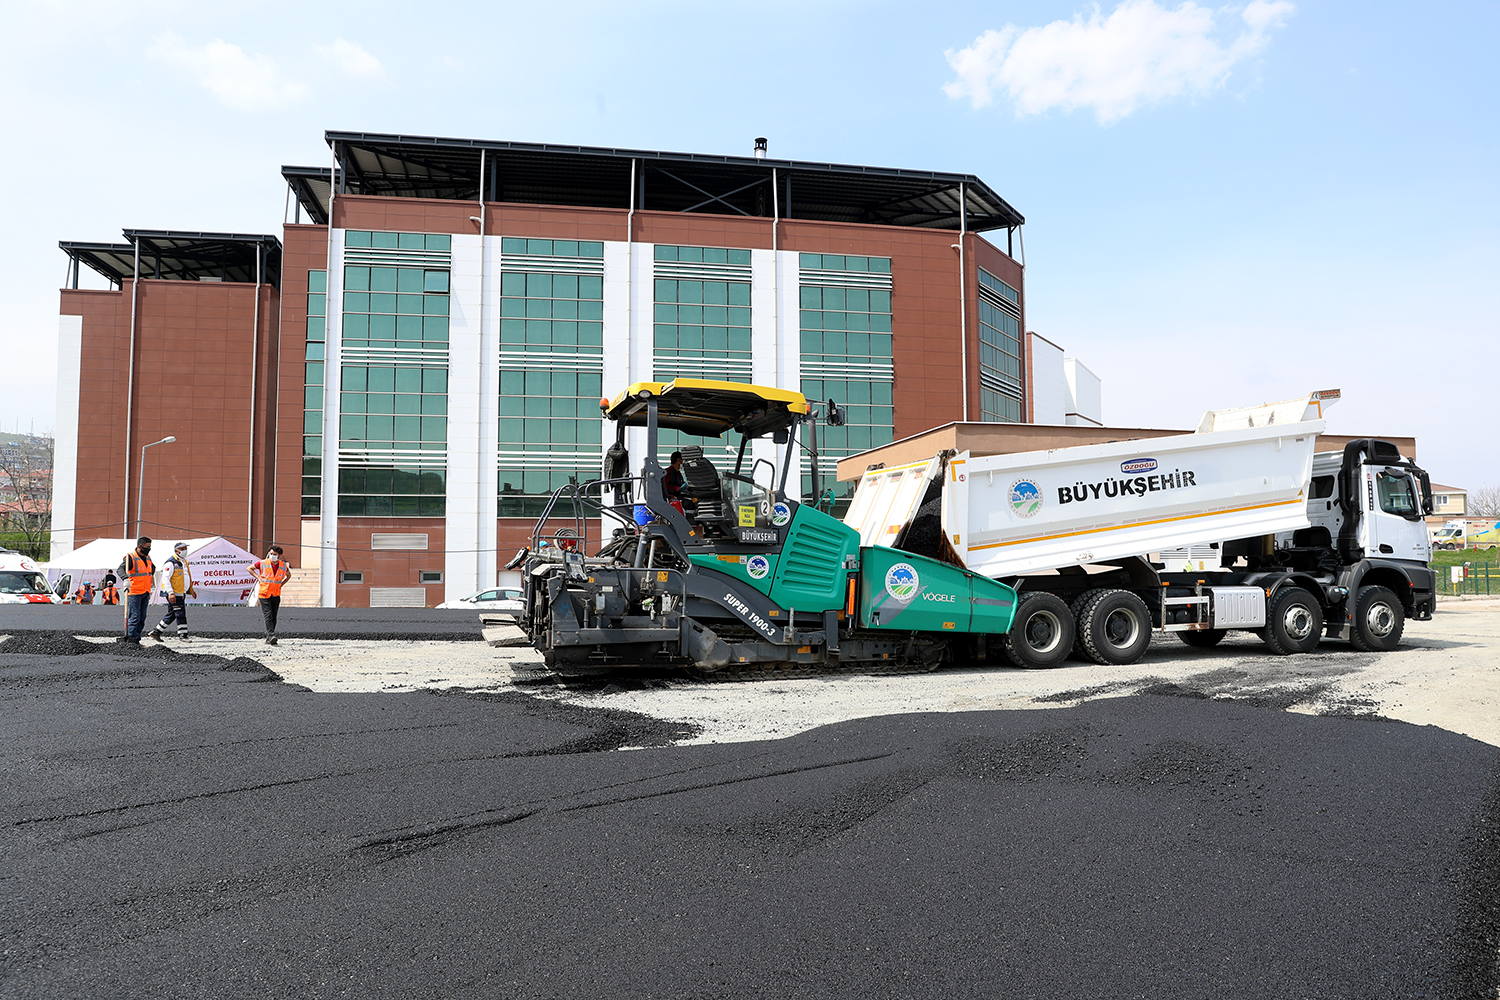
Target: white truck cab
(1388, 497)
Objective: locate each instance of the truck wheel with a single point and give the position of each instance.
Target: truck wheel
(1379, 620)
(1042, 633)
(1294, 622)
(1114, 628)
(1204, 639)
(1077, 606)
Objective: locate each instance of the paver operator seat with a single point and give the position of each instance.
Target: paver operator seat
(701, 485)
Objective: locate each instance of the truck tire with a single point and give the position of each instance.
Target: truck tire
(1114, 628)
(1077, 606)
(1042, 633)
(1379, 620)
(1294, 622)
(1205, 639)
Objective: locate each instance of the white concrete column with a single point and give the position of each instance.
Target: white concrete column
(620, 309)
(764, 339)
(328, 563)
(642, 338)
(469, 446)
(486, 558)
(789, 338)
(65, 441)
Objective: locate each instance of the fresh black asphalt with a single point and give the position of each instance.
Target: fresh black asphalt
(187, 826)
(237, 622)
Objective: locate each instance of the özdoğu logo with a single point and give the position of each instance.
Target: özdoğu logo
(1136, 465)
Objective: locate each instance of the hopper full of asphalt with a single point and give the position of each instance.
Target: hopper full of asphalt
(173, 829)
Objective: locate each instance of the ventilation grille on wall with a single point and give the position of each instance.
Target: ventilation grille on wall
(393, 540)
(398, 597)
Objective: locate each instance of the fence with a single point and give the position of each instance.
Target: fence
(1477, 579)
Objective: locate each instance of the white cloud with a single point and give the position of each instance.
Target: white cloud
(238, 80)
(1139, 54)
(351, 59)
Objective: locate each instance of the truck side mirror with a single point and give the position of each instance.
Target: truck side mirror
(835, 415)
(779, 437)
(1426, 482)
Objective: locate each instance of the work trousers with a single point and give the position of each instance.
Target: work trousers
(268, 608)
(176, 612)
(135, 614)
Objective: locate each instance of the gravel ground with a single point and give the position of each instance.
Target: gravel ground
(1447, 674)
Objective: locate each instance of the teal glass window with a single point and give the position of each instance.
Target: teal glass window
(387, 307)
(552, 248)
(847, 357)
(399, 241)
(312, 404)
(1000, 382)
(551, 378)
(999, 287)
(844, 262)
(399, 491)
(385, 408)
(702, 327)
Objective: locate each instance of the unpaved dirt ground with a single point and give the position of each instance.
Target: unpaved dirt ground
(1446, 674)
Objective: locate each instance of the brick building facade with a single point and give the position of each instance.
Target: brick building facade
(392, 387)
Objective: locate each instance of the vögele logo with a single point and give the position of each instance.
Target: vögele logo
(758, 567)
(1025, 498)
(902, 581)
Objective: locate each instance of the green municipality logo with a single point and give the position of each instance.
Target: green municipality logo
(1025, 498)
(758, 567)
(902, 581)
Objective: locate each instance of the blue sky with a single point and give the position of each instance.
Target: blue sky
(1225, 205)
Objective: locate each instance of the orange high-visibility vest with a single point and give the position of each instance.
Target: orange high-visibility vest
(140, 572)
(271, 577)
(109, 595)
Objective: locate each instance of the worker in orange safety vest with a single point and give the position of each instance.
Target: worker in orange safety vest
(138, 572)
(270, 574)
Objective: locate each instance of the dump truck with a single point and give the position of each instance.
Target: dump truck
(1308, 545)
(1036, 556)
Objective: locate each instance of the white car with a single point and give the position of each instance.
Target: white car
(495, 599)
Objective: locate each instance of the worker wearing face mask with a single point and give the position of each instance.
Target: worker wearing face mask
(270, 574)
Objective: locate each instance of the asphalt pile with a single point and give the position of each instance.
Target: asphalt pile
(27, 649)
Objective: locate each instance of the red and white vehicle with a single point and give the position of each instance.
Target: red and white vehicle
(22, 581)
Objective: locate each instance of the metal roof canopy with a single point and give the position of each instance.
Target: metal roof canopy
(311, 186)
(584, 176)
(182, 256)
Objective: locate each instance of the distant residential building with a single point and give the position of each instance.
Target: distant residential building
(1449, 501)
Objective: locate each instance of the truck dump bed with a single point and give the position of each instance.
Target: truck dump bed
(1243, 473)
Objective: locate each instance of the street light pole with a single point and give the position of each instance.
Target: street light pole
(140, 490)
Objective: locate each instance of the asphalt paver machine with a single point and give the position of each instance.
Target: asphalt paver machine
(735, 572)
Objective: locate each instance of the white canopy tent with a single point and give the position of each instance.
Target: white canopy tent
(220, 568)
